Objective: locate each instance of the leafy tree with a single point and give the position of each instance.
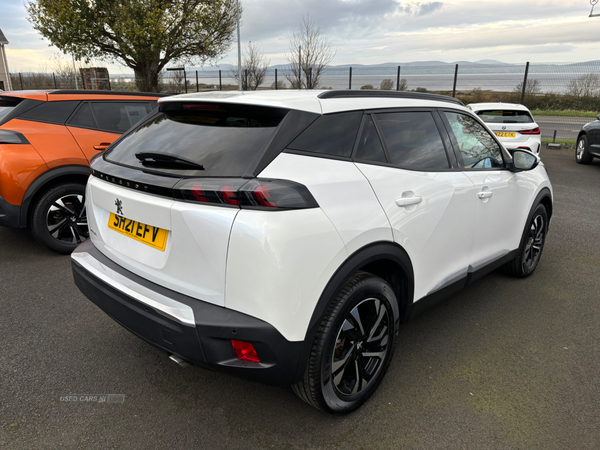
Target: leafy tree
(403, 85)
(367, 86)
(254, 68)
(145, 35)
(309, 56)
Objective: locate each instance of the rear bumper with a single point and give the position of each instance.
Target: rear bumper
(9, 214)
(196, 331)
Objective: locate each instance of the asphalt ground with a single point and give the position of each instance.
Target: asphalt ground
(505, 364)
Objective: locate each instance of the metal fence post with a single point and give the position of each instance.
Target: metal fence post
(83, 82)
(275, 79)
(246, 79)
(185, 80)
(310, 77)
(54, 77)
(197, 88)
(398, 79)
(21, 78)
(455, 78)
(524, 83)
(350, 79)
(220, 82)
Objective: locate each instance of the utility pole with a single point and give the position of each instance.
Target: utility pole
(239, 47)
(75, 74)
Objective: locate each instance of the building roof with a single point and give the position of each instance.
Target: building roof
(3, 38)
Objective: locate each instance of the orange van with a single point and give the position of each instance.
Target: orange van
(47, 139)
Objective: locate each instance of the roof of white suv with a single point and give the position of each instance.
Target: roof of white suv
(321, 101)
(498, 105)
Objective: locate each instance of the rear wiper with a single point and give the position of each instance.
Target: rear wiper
(166, 160)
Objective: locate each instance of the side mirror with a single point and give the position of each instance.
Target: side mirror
(524, 160)
(598, 116)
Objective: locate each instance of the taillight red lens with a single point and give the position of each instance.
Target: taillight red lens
(252, 194)
(245, 351)
(534, 131)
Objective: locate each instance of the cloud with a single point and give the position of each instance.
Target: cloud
(420, 9)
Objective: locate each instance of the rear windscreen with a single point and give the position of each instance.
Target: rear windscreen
(505, 116)
(223, 139)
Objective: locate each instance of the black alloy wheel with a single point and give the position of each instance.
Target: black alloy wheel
(532, 244)
(353, 347)
(59, 219)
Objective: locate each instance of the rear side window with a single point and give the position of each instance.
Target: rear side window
(369, 145)
(7, 104)
(505, 116)
(51, 112)
(83, 117)
(119, 116)
(224, 139)
(413, 140)
(330, 134)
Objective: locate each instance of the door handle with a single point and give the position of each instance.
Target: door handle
(485, 194)
(102, 146)
(407, 201)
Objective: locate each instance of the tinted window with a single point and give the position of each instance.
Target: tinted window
(83, 117)
(477, 147)
(224, 141)
(505, 116)
(51, 112)
(369, 145)
(331, 134)
(119, 116)
(413, 140)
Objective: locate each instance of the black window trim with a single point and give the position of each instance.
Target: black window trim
(456, 148)
(67, 123)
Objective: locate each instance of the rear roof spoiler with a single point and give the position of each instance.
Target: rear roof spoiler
(95, 92)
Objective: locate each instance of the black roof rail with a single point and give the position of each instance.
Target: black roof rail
(389, 94)
(103, 92)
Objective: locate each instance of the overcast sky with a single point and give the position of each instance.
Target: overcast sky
(379, 31)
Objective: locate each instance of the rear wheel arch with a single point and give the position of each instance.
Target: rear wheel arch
(387, 260)
(45, 182)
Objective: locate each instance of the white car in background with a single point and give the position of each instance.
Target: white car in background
(513, 124)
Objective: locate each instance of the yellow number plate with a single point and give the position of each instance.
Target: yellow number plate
(146, 234)
(505, 133)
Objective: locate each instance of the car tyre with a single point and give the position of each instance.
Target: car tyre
(353, 346)
(532, 244)
(59, 219)
(582, 156)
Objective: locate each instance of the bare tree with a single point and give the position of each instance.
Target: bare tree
(176, 84)
(310, 54)
(403, 86)
(532, 87)
(587, 85)
(254, 68)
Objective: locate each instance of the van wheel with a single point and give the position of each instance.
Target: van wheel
(59, 219)
(353, 347)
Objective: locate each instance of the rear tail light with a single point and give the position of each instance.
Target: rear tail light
(12, 137)
(534, 131)
(247, 194)
(245, 351)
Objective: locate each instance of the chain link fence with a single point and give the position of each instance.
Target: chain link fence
(563, 96)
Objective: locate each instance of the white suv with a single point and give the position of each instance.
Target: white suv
(513, 124)
(283, 236)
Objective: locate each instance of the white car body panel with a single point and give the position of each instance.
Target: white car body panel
(194, 259)
(279, 263)
(436, 232)
(335, 185)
